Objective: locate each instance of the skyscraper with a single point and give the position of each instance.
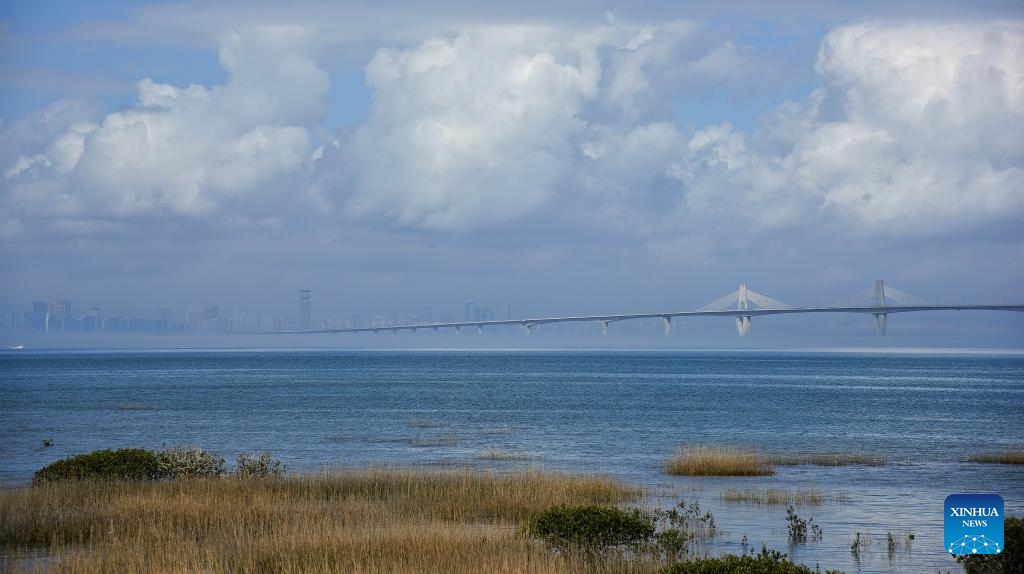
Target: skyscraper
(39, 310)
(471, 313)
(305, 322)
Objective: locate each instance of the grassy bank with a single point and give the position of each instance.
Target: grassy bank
(357, 521)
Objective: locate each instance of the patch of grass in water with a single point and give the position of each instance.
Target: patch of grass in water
(829, 459)
(718, 461)
(1004, 457)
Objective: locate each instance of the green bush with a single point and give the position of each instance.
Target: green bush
(122, 464)
(591, 528)
(1009, 561)
(767, 562)
(184, 463)
(259, 466)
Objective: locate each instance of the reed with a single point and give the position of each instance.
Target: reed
(374, 520)
(718, 461)
(805, 496)
(1004, 457)
(829, 459)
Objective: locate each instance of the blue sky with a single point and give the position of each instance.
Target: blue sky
(182, 154)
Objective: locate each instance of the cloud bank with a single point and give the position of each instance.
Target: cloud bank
(914, 129)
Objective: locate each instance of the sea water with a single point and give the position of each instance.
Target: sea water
(621, 414)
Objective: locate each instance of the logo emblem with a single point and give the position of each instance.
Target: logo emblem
(974, 524)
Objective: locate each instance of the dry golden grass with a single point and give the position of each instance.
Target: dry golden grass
(1005, 457)
(718, 461)
(810, 495)
(829, 459)
(354, 521)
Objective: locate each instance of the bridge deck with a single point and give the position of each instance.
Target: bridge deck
(881, 310)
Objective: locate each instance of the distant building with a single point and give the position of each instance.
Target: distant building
(471, 312)
(39, 310)
(55, 316)
(305, 314)
(91, 321)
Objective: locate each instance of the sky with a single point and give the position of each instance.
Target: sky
(557, 157)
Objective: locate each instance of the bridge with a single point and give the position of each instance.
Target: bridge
(743, 304)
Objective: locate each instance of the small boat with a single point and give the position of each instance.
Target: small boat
(16, 347)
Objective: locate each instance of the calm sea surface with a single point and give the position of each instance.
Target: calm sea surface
(620, 414)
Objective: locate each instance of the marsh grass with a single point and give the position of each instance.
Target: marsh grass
(829, 459)
(718, 461)
(801, 496)
(1004, 457)
(377, 520)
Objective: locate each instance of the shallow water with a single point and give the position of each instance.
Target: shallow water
(616, 413)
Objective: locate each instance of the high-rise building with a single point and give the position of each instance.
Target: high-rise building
(91, 321)
(39, 309)
(305, 321)
(55, 317)
(471, 310)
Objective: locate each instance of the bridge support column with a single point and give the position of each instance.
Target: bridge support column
(880, 319)
(604, 327)
(743, 325)
(668, 324)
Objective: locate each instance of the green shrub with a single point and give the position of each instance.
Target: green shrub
(1009, 561)
(122, 464)
(591, 528)
(259, 466)
(184, 463)
(767, 562)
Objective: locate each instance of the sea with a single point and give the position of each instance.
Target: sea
(616, 413)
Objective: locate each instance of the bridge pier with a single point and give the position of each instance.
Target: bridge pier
(743, 325)
(604, 327)
(668, 324)
(880, 319)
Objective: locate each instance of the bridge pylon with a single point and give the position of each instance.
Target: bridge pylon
(880, 318)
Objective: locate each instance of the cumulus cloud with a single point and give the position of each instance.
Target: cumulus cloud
(497, 122)
(917, 129)
(185, 150)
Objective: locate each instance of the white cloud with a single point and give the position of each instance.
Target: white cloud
(917, 130)
(187, 150)
(500, 121)
(472, 130)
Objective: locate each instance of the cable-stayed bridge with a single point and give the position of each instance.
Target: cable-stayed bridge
(743, 304)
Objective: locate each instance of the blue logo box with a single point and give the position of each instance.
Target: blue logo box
(974, 524)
